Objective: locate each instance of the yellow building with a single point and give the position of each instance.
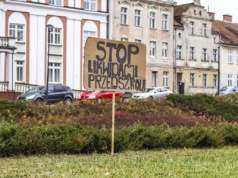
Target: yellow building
(196, 50)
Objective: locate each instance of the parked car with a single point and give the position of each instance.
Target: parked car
(228, 90)
(84, 94)
(56, 93)
(101, 95)
(153, 93)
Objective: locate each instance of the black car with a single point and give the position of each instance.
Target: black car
(56, 93)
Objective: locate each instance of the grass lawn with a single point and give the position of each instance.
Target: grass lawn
(191, 163)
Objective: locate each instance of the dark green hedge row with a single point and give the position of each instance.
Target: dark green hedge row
(219, 108)
(15, 140)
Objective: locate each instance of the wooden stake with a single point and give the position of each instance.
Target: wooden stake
(113, 122)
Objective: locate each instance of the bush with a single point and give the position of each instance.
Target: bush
(216, 108)
(178, 121)
(15, 140)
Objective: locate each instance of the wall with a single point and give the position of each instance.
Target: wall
(229, 68)
(9, 95)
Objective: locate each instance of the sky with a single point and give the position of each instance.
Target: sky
(220, 7)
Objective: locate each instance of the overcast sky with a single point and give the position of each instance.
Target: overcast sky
(220, 7)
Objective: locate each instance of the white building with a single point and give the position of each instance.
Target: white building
(228, 50)
(26, 20)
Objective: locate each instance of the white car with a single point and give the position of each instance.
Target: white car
(153, 93)
(228, 90)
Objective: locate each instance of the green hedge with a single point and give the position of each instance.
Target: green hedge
(15, 140)
(218, 108)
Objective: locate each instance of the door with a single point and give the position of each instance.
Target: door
(179, 78)
(158, 93)
(51, 94)
(59, 93)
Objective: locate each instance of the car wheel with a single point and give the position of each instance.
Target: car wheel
(39, 100)
(68, 101)
(151, 98)
(99, 100)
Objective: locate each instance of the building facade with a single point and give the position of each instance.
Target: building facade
(149, 22)
(228, 50)
(29, 22)
(196, 50)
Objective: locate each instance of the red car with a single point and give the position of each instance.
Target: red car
(83, 94)
(101, 95)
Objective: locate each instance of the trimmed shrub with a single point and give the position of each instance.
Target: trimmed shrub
(15, 140)
(216, 108)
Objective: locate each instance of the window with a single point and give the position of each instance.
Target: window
(17, 31)
(165, 50)
(215, 55)
(191, 28)
(164, 22)
(192, 79)
(152, 49)
(152, 20)
(58, 88)
(123, 15)
(204, 54)
(55, 36)
(154, 79)
(237, 80)
(165, 79)
(179, 52)
(124, 39)
(19, 71)
(204, 29)
(194, 12)
(54, 72)
(138, 41)
(230, 56)
(55, 2)
(87, 34)
(229, 79)
(192, 54)
(179, 35)
(204, 79)
(137, 17)
(90, 5)
(214, 80)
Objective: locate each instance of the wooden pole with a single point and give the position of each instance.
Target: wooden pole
(113, 122)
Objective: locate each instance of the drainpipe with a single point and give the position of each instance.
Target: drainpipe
(12, 69)
(219, 63)
(175, 87)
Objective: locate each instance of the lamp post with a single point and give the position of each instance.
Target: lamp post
(50, 29)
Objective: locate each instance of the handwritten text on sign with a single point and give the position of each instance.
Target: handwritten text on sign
(114, 65)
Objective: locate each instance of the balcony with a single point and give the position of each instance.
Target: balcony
(7, 44)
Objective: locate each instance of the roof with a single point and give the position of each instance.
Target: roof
(178, 10)
(228, 30)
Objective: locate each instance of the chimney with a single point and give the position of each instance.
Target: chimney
(212, 15)
(197, 2)
(227, 18)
